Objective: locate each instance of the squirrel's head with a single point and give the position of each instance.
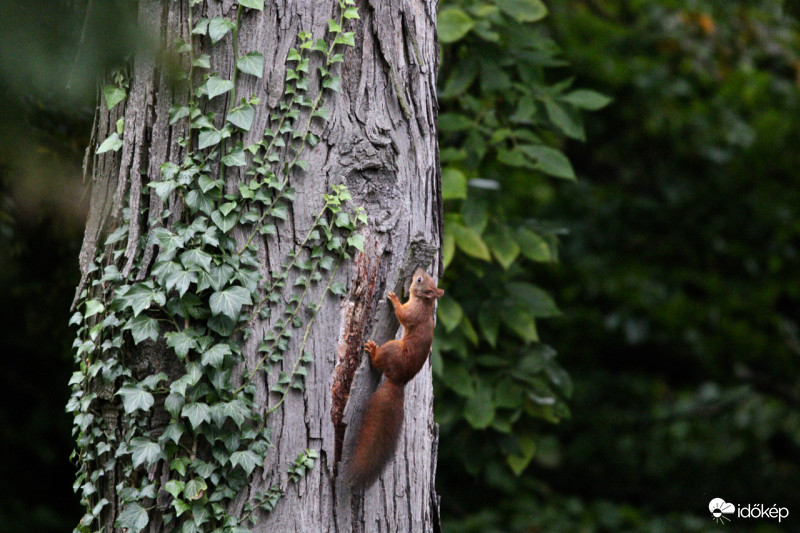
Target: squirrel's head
(423, 286)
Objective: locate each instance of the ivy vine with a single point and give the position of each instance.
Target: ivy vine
(202, 294)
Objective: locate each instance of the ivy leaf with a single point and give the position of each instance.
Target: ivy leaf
(252, 4)
(180, 342)
(111, 144)
(135, 399)
(196, 258)
(174, 487)
(93, 307)
(215, 355)
(142, 327)
(225, 223)
(144, 451)
(233, 410)
(246, 459)
(235, 159)
(180, 280)
(163, 188)
(242, 117)
(202, 61)
(230, 301)
(174, 403)
(113, 95)
(251, 63)
(217, 86)
(356, 241)
(194, 488)
(208, 137)
(454, 24)
(133, 517)
(218, 27)
(197, 413)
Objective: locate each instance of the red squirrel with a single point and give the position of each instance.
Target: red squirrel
(399, 360)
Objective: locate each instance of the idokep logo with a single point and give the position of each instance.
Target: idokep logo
(719, 508)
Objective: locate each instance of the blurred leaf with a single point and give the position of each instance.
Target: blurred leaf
(453, 24)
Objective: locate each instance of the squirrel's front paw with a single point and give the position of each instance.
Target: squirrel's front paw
(393, 297)
(371, 347)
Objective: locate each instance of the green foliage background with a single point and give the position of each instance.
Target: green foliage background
(658, 260)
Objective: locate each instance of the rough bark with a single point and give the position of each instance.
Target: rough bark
(380, 141)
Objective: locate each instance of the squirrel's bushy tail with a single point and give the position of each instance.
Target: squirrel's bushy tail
(378, 434)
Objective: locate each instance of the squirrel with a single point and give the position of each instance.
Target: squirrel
(399, 360)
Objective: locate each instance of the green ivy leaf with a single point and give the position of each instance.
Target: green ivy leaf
(242, 117)
(229, 302)
(208, 138)
(251, 63)
(197, 413)
(163, 188)
(145, 452)
(174, 487)
(142, 327)
(215, 355)
(113, 95)
(194, 488)
(202, 61)
(174, 403)
(111, 144)
(216, 86)
(135, 399)
(246, 459)
(180, 342)
(93, 307)
(218, 27)
(133, 517)
(252, 4)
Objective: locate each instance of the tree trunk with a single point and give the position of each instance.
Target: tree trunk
(378, 138)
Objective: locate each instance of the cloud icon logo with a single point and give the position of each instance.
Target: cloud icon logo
(719, 508)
